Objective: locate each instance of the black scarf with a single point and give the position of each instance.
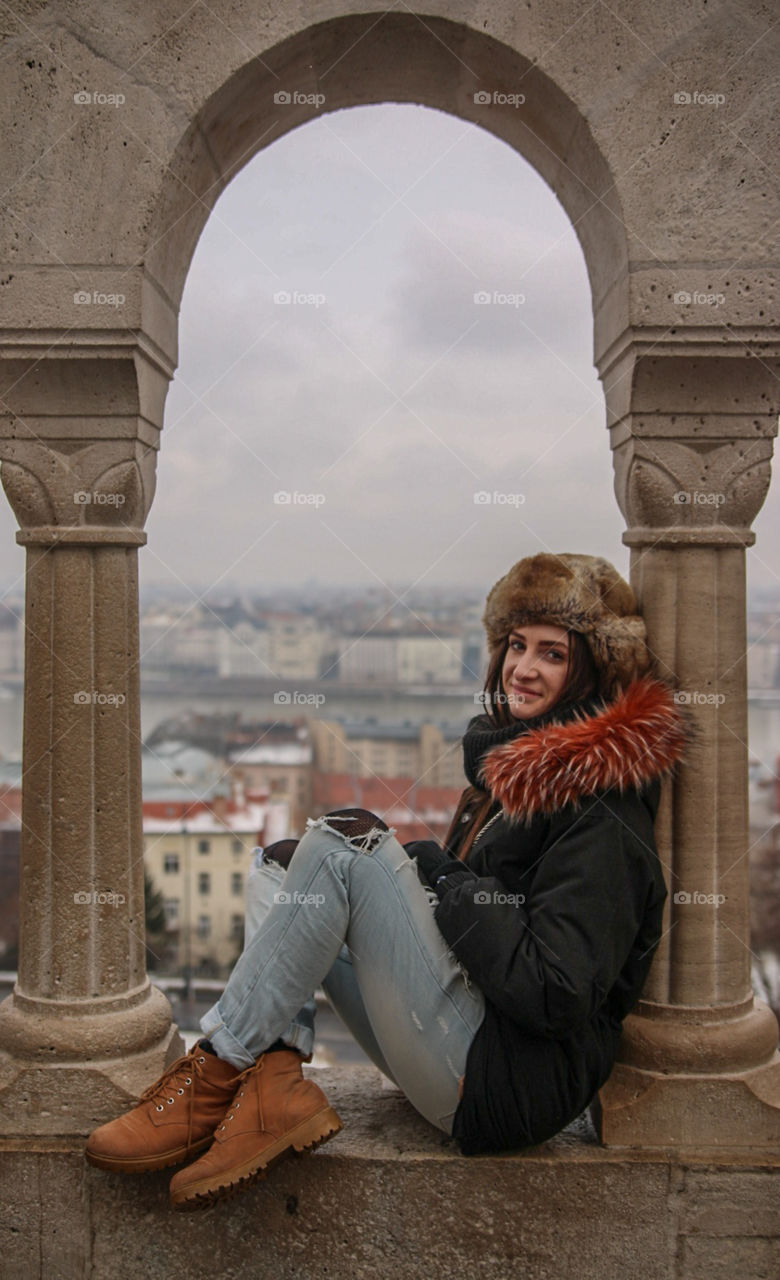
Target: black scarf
(482, 733)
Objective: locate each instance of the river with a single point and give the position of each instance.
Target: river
(454, 706)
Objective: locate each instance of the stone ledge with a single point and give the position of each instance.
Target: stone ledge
(391, 1196)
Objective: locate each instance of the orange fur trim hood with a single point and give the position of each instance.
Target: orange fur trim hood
(638, 737)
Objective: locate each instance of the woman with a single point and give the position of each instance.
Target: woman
(488, 979)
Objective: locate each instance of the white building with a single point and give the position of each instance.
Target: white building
(369, 659)
(297, 644)
(244, 650)
(430, 659)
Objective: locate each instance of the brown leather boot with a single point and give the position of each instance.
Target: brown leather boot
(275, 1112)
(174, 1119)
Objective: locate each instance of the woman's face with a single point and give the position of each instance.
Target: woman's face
(535, 669)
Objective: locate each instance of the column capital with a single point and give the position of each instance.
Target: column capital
(692, 440)
(79, 435)
(88, 491)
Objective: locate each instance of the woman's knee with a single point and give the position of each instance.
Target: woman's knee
(280, 852)
(361, 828)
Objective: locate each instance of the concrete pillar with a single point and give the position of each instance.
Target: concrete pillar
(84, 1031)
(698, 1065)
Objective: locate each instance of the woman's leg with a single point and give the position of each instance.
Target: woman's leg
(265, 880)
(364, 893)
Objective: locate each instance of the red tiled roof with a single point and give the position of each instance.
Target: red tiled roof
(417, 812)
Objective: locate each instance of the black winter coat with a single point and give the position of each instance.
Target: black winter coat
(559, 923)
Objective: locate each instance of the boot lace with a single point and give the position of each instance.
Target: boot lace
(179, 1077)
(238, 1095)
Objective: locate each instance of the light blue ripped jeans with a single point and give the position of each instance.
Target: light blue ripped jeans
(360, 924)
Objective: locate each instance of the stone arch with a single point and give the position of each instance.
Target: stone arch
(671, 206)
(401, 59)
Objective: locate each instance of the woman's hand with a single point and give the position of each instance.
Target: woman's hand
(433, 863)
(428, 856)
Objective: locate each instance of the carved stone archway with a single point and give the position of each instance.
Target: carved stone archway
(108, 204)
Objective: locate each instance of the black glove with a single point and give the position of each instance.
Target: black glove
(434, 863)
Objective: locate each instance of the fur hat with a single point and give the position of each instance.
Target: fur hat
(580, 593)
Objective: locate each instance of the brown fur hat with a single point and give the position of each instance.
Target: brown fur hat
(580, 593)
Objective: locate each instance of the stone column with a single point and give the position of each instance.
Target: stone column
(84, 1031)
(698, 1065)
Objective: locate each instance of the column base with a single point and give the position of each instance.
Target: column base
(736, 1111)
(66, 1073)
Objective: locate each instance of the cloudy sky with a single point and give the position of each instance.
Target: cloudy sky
(381, 398)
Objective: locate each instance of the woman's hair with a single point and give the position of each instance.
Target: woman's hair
(581, 682)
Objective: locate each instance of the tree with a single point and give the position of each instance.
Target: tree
(154, 912)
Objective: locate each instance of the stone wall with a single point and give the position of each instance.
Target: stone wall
(391, 1197)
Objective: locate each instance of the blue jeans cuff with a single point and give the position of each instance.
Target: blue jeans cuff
(298, 1036)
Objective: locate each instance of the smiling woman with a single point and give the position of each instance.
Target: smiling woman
(490, 978)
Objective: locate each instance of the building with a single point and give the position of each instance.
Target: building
(296, 644)
(391, 656)
(198, 854)
(369, 659)
(200, 828)
(279, 763)
(428, 658)
(243, 650)
(430, 753)
(195, 647)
